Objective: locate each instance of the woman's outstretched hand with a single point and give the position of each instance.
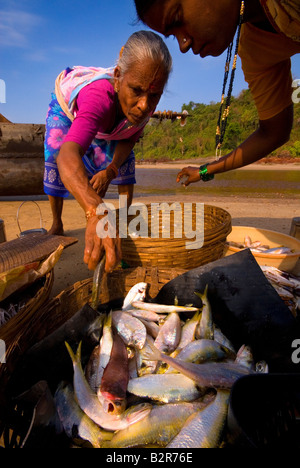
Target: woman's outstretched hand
(190, 173)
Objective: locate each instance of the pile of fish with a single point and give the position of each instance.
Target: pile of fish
(287, 286)
(259, 247)
(160, 377)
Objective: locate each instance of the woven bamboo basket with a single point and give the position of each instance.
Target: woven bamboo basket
(12, 332)
(172, 252)
(25, 330)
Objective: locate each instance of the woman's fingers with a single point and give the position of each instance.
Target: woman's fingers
(181, 174)
(96, 246)
(113, 252)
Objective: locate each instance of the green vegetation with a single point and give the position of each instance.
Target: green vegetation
(166, 141)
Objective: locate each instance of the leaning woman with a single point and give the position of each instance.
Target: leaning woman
(268, 36)
(94, 120)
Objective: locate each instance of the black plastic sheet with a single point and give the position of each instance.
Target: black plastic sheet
(245, 306)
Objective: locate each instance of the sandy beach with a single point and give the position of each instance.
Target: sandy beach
(268, 213)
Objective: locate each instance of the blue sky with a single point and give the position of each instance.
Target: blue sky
(39, 38)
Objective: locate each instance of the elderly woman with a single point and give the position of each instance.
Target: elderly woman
(94, 120)
(269, 33)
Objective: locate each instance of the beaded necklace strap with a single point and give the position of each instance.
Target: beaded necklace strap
(224, 112)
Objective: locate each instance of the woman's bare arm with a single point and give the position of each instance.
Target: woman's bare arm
(74, 178)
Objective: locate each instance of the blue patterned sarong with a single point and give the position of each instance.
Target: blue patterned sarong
(98, 156)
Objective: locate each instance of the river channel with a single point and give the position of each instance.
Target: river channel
(265, 183)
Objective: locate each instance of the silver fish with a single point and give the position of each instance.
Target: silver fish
(162, 308)
(165, 388)
(106, 342)
(131, 329)
(206, 326)
(92, 370)
(144, 366)
(245, 358)
(159, 427)
(90, 404)
(218, 375)
(188, 330)
(146, 315)
(169, 335)
(100, 356)
(247, 241)
(274, 250)
(151, 327)
(204, 429)
(199, 351)
(136, 293)
(223, 340)
(74, 421)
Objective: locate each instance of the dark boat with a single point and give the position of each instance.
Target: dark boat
(21, 158)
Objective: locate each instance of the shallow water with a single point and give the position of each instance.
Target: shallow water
(246, 183)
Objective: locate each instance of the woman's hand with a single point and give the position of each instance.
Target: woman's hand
(191, 173)
(100, 181)
(96, 246)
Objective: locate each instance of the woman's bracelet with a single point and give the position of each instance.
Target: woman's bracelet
(204, 174)
(90, 213)
(114, 168)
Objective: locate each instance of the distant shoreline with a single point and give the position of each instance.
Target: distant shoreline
(179, 164)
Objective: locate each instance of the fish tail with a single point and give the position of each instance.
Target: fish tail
(108, 320)
(76, 359)
(203, 296)
(152, 354)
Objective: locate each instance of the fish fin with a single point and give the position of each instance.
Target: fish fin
(153, 354)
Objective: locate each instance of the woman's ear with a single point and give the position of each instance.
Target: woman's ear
(117, 74)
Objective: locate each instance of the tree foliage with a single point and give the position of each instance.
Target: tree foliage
(169, 141)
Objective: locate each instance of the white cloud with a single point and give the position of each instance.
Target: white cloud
(16, 26)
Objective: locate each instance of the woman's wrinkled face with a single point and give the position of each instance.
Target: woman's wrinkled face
(206, 27)
(140, 89)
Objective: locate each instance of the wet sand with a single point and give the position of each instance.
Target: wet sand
(267, 213)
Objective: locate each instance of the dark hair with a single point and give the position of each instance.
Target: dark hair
(142, 7)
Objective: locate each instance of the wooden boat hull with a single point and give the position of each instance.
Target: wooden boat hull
(21, 159)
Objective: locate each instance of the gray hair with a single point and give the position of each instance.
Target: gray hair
(144, 45)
